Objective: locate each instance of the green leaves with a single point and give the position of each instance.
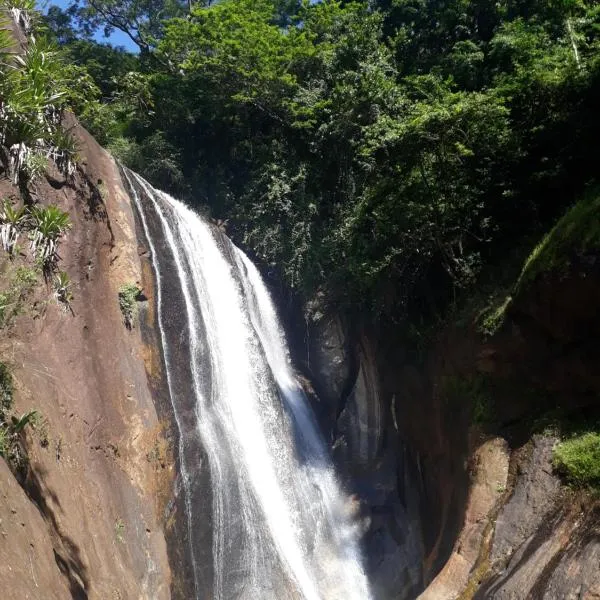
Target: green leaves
(381, 151)
(578, 459)
(49, 224)
(35, 89)
(129, 294)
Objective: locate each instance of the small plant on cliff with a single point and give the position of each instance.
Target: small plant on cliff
(120, 530)
(12, 447)
(17, 424)
(63, 289)
(6, 389)
(49, 225)
(129, 294)
(578, 459)
(12, 299)
(11, 221)
(11, 427)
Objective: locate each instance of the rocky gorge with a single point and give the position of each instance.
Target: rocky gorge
(451, 508)
(445, 454)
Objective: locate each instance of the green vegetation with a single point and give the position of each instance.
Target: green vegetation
(129, 294)
(63, 289)
(6, 388)
(472, 390)
(11, 447)
(575, 234)
(19, 283)
(11, 222)
(382, 154)
(578, 459)
(11, 427)
(35, 88)
(48, 225)
(492, 319)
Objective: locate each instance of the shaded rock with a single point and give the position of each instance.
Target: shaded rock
(488, 484)
(577, 575)
(330, 361)
(360, 425)
(533, 501)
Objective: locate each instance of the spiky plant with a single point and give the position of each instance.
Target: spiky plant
(63, 289)
(23, 13)
(33, 89)
(11, 221)
(49, 224)
(64, 151)
(35, 165)
(4, 441)
(17, 424)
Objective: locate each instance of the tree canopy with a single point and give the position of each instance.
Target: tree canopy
(381, 152)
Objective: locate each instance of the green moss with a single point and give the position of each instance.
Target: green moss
(492, 319)
(578, 459)
(577, 232)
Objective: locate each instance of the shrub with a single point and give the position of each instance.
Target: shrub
(578, 459)
(129, 293)
(4, 441)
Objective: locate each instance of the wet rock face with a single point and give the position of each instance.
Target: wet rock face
(371, 458)
(331, 361)
(360, 424)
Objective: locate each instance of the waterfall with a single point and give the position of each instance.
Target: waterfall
(276, 521)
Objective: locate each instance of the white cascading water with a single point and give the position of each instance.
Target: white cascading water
(281, 526)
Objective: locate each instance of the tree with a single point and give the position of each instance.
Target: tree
(141, 20)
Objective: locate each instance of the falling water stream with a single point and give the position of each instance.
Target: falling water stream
(279, 526)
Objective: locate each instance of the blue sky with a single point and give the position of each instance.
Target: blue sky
(116, 39)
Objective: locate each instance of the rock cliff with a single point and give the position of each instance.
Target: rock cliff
(452, 455)
(82, 515)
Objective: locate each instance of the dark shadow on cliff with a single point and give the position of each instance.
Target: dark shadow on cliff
(66, 552)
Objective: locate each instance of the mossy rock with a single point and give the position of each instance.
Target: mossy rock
(576, 234)
(578, 459)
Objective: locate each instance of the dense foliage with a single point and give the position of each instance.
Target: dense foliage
(382, 152)
(578, 459)
(36, 87)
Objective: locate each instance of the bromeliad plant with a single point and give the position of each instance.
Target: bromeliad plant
(34, 90)
(11, 441)
(11, 222)
(63, 289)
(48, 224)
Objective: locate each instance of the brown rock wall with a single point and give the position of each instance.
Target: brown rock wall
(91, 493)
